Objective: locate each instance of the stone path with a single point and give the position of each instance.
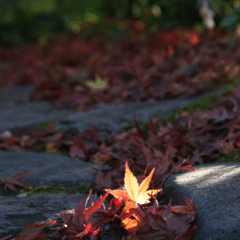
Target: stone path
(114, 117)
(220, 182)
(17, 111)
(49, 169)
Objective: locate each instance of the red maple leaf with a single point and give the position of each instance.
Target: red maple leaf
(11, 181)
(33, 231)
(80, 222)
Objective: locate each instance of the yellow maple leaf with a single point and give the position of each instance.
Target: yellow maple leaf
(97, 84)
(135, 193)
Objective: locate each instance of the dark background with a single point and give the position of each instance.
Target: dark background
(27, 21)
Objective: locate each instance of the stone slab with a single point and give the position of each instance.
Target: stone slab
(28, 115)
(114, 117)
(219, 219)
(49, 169)
(18, 212)
(19, 93)
(17, 111)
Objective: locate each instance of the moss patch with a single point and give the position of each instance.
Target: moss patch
(203, 104)
(51, 190)
(17, 101)
(54, 152)
(43, 125)
(57, 189)
(226, 158)
(226, 86)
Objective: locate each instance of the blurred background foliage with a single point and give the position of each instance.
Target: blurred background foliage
(27, 21)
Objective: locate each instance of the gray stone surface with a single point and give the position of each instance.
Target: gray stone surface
(49, 169)
(219, 219)
(29, 114)
(18, 212)
(17, 111)
(114, 117)
(19, 93)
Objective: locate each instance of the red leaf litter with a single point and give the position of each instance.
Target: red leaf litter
(134, 69)
(134, 221)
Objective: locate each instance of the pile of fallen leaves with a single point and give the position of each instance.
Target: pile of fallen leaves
(130, 215)
(82, 73)
(164, 150)
(136, 69)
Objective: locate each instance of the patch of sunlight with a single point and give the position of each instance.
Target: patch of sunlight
(200, 176)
